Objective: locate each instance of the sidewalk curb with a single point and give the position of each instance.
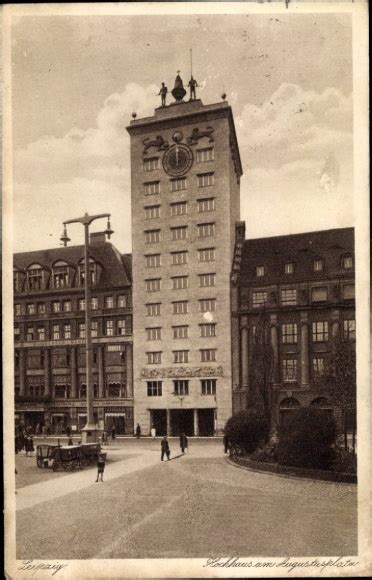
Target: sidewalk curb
(297, 476)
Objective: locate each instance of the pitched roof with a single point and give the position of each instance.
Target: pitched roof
(302, 249)
(117, 268)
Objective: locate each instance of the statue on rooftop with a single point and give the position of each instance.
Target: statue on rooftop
(163, 92)
(193, 84)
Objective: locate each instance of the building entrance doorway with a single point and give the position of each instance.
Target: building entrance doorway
(117, 420)
(206, 422)
(158, 419)
(182, 421)
(32, 419)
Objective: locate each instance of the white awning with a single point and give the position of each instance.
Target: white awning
(114, 414)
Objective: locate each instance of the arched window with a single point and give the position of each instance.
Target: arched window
(62, 391)
(62, 274)
(286, 407)
(36, 277)
(114, 389)
(320, 402)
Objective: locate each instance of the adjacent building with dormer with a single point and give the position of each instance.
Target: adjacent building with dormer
(49, 337)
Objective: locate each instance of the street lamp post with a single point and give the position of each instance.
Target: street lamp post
(90, 433)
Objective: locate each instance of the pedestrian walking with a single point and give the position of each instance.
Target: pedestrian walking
(138, 431)
(153, 432)
(68, 431)
(100, 466)
(27, 445)
(113, 432)
(165, 448)
(48, 431)
(70, 441)
(31, 445)
(226, 443)
(184, 444)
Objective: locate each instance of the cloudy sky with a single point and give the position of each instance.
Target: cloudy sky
(77, 79)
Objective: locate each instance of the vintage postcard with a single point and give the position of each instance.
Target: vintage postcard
(185, 289)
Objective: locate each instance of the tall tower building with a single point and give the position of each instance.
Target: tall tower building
(186, 169)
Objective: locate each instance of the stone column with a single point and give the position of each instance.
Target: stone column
(101, 373)
(73, 373)
(275, 346)
(335, 330)
(169, 430)
(244, 350)
(196, 423)
(129, 369)
(304, 350)
(22, 371)
(47, 373)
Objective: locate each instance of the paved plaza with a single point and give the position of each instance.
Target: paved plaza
(196, 505)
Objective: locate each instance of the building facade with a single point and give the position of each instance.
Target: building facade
(305, 286)
(185, 169)
(49, 337)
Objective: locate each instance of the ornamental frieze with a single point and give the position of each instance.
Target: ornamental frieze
(182, 372)
(197, 134)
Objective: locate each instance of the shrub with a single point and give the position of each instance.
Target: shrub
(246, 430)
(345, 462)
(265, 453)
(306, 439)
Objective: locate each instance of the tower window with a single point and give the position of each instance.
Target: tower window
(207, 280)
(180, 307)
(179, 258)
(153, 285)
(179, 233)
(151, 164)
(152, 212)
(260, 271)
(203, 155)
(208, 386)
(153, 309)
(207, 330)
(206, 204)
(207, 305)
(208, 355)
(181, 387)
(178, 184)
(180, 282)
(206, 230)
(154, 388)
(180, 356)
(154, 358)
(30, 308)
(94, 329)
(153, 261)
(153, 333)
(180, 332)
(152, 236)
(207, 255)
(152, 187)
(205, 179)
(178, 208)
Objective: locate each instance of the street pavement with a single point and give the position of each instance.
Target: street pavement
(196, 505)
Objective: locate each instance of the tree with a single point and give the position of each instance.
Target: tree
(261, 369)
(339, 380)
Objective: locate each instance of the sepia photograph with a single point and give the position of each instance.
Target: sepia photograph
(186, 281)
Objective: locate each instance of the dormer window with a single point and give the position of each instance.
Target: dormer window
(18, 280)
(95, 271)
(61, 274)
(289, 268)
(347, 262)
(35, 277)
(260, 271)
(318, 265)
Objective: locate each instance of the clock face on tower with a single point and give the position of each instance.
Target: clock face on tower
(178, 160)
